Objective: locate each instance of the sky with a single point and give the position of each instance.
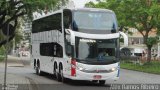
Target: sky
(77, 4)
(81, 3)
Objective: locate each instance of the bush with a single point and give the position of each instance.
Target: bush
(129, 59)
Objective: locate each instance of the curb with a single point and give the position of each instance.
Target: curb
(12, 62)
(33, 84)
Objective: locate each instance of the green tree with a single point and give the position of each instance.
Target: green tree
(144, 15)
(11, 10)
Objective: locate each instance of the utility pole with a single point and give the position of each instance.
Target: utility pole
(6, 59)
(158, 50)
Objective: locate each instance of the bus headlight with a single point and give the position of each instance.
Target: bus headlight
(113, 69)
(81, 68)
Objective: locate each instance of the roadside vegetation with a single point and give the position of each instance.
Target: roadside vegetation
(143, 15)
(152, 67)
(2, 53)
(14, 12)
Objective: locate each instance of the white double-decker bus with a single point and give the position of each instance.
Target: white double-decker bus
(78, 44)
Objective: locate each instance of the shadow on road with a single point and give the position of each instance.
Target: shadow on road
(85, 83)
(76, 82)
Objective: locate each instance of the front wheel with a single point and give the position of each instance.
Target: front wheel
(102, 82)
(94, 81)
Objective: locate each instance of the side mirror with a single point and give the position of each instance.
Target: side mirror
(72, 36)
(125, 38)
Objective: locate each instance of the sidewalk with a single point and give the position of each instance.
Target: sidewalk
(14, 81)
(12, 62)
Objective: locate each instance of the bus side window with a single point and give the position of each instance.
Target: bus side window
(51, 49)
(58, 50)
(46, 49)
(55, 50)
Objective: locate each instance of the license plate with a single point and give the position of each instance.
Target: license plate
(97, 77)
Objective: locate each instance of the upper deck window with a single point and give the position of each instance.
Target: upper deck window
(94, 20)
(52, 22)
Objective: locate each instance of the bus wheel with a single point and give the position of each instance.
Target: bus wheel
(63, 79)
(58, 76)
(102, 82)
(38, 71)
(34, 64)
(94, 81)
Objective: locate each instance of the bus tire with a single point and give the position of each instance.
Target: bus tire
(58, 77)
(63, 79)
(54, 69)
(102, 82)
(94, 81)
(38, 70)
(57, 74)
(34, 64)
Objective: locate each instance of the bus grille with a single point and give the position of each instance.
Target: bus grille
(97, 71)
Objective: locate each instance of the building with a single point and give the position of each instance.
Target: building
(135, 42)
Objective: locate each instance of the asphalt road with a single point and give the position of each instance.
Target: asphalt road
(48, 82)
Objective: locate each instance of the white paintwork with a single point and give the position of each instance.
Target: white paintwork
(80, 75)
(91, 36)
(47, 63)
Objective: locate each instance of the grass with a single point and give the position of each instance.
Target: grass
(153, 67)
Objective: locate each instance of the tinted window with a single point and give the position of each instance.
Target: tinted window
(52, 22)
(51, 49)
(93, 20)
(96, 49)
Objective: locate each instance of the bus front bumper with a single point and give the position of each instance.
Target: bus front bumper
(113, 76)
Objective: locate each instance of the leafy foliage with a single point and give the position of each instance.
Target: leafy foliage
(11, 10)
(144, 15)
(152, 41)
(2, 53)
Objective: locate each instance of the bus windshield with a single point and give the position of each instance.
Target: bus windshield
(96, 50)
(93, 20)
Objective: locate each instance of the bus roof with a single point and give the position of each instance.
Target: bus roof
(75, 9)
(91, 9)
